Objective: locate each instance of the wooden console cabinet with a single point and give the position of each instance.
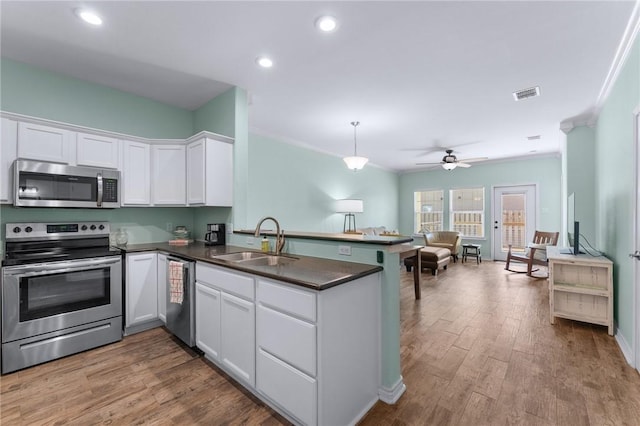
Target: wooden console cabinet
(580, 288)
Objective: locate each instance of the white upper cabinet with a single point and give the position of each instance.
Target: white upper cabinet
(136, 174)
(210, 173)
(8, 153)
(97, 151)
(168, 170)
(38, 142)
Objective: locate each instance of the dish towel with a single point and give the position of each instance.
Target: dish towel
(176, 282)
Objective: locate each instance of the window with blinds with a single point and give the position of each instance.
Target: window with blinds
(467, 211)
(428, 211)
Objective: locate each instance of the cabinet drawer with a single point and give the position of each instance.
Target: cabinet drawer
(233, 283)
(294, 301)
(289, 388)
(290, 339)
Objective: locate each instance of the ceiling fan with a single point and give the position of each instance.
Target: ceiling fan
(450, 161)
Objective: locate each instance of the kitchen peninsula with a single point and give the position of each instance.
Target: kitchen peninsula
(368, 249)
(301, 333)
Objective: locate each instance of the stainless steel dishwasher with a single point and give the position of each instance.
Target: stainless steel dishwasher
(181, 303)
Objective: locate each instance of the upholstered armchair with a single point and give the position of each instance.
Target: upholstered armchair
(445, 239)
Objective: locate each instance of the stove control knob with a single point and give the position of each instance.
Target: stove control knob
(28, 229)
(16, 230)
(93, 227)
(101, 227)
(83, 227)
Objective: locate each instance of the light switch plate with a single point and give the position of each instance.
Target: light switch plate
(344, 250)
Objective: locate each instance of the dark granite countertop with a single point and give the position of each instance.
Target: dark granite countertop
(311, 272)
(385, 240)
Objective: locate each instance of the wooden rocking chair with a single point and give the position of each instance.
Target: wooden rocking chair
(536, 252)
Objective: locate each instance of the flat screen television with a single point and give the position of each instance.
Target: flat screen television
(573, 227)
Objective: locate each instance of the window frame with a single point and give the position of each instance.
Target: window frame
(452, 212)
(442, 212)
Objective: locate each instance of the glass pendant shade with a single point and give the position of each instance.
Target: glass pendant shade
(355, 163)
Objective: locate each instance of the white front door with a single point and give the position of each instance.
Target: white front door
(514, 218)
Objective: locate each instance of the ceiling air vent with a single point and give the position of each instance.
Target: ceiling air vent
(526, 93)
(533, 138)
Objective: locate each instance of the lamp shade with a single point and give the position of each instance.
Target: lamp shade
(349, 206)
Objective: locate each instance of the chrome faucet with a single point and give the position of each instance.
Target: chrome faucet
(279, 235)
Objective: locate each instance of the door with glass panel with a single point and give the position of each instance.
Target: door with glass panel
(514, 219)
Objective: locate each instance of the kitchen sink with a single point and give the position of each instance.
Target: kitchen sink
(241, 257)
(269, 260)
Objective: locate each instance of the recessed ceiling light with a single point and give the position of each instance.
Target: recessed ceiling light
(326, 23)
(88, 16)
(264, 62)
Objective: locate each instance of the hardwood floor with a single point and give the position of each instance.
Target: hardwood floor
(476, 349)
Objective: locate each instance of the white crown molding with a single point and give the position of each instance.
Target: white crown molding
(624, 48)
(107, 133)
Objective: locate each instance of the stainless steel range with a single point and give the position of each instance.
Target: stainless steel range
(61, 291)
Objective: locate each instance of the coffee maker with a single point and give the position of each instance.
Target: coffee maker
(215, 235)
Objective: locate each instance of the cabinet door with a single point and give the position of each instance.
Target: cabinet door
(208, 320)
(168, 164)
(136, 174)
(96, 151)
(37, 142)
(219, 173)
(142, 288)
(238, 337)
(162, 287)
(196, 172)
(8, 153)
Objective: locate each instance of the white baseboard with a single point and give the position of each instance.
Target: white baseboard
(393, 394)
(625, 347)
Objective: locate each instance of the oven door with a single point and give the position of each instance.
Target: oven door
(46, 297)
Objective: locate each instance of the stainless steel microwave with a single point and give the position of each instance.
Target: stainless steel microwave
(44, 184)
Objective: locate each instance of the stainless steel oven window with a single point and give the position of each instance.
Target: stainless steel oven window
(47, 295)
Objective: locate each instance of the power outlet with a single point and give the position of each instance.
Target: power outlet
(344, 250)
(169, 227)
(250, 241)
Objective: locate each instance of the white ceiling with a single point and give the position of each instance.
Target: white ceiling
(417, 75)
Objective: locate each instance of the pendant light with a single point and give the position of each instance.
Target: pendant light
(355, 162)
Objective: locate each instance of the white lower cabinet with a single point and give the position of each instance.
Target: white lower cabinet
(225, 320)
(318, 351)
(162, 287)
(208, 320)
(314, 356)
(141, 288)
(238, 336)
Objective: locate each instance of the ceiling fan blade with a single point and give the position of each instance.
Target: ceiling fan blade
(463, 165)
(429, 164)
(471, 160)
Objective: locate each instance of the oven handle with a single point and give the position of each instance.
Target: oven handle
(60, 267)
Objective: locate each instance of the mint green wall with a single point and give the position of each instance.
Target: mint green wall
(217, 115)
(142, 224)
(299, 188)
(545, 172)
(615, 186)
(32, 91)
(581, 158)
